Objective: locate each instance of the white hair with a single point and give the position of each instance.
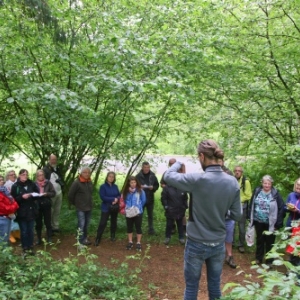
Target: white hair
(85, 168)
(267, 177)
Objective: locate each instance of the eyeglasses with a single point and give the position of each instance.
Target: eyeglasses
(24, 174)
(12, 175)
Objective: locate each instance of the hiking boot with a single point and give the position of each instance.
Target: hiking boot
(38, 242)
(97, 242)
(241, 249)
(182, 241)
(129, 246)
(230, 262)
(167, 241)
(138, 247)
(151, 232)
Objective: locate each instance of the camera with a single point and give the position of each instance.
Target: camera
(60, 182)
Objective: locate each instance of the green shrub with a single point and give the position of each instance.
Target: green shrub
(275, 284)
(75, 277)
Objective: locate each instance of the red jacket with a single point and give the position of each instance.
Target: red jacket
(7, 206)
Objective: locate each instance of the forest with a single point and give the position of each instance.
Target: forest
(118, 79)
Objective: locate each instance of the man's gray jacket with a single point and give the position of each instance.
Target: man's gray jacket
(213, 193)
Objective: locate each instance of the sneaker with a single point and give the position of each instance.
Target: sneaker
(86, 242)
(182, 241)
(241, 249)
(230, 262)
(129, 246)
(138, 247)
(167, 241)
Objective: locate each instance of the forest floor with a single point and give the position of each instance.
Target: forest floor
(161, 266)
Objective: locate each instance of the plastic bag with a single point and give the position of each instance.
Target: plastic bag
(250, 235)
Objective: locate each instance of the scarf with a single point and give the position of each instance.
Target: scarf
(81, 179)
(41, 185)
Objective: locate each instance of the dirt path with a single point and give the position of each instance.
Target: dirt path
(162, 267)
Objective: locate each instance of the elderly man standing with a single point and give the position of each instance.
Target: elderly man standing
(53, 174)
(150, 185)
(246, 194)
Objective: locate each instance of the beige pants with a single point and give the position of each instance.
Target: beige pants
(55, 210)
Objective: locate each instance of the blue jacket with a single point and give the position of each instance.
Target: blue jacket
(136, 199)
(292, 198)
(108, 193)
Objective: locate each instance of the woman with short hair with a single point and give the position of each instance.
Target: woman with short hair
(267, 214)
(81, 196)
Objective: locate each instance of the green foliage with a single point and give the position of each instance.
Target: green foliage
(75, 277)
(276, 284)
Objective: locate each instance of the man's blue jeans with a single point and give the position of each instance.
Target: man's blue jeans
(5, 224)
(194, 256)
(84, 218)
(27, 234)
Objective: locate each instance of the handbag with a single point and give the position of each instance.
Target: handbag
(122, 205)
(45, 202)
(132, 212)
(250, 235)
(114, 207)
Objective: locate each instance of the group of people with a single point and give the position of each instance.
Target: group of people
(217, 199)
(137, 196)
(31, 204)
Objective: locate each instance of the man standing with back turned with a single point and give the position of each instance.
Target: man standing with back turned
(213, 193)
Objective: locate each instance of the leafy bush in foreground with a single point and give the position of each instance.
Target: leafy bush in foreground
(75, 277)
(284, 284)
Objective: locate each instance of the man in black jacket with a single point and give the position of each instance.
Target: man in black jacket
(174, 202)
(149, 183)
(53, 174)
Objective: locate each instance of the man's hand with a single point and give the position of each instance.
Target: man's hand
(182, 169)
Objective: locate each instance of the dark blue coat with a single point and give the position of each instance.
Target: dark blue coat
(107, 194)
